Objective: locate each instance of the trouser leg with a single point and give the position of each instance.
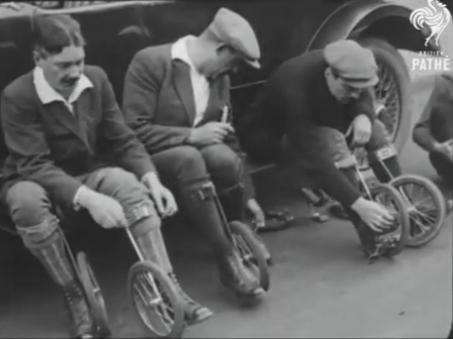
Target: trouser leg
(39, 229)
(143, 220)
(233, 184)
(145, 227)
(186, 167)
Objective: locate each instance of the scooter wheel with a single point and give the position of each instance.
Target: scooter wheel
(426, 207)
(94, 295)
(394, 239)
(251, 252)
(156, 300)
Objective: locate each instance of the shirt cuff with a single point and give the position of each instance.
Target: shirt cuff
(76, 201)
(142, 180)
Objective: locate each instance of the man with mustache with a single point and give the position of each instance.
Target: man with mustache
(69, 149)
(314, 100)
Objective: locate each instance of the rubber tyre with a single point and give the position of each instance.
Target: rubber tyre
(401, 210)
(244, 237)
(393, 71)
(438, 199)
(94, 295)
(165, 285)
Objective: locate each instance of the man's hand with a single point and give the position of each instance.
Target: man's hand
(105, 210)
(162, 197)
(361, 129)
(373, 214)
(254, 208)
(445, 148)
(210, 133)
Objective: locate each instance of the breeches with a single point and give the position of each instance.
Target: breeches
(218, 162)
(334, 142)
(36, 216)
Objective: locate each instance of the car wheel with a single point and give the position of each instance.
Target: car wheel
(392, 91)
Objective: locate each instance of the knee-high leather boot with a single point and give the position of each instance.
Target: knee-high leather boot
(202, 207)
(145, 228)
(232, 200)
(46, 242)
(233, 203)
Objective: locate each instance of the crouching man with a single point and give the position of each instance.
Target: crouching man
(314, 100)
(69, 148)
(434, 131)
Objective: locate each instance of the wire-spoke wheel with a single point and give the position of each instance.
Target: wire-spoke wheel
(94, 295)
(393, 240)
(426, 207)
(392, 97)
(156, 300)
(251, 253)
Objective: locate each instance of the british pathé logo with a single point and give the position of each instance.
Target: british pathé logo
(435, 16)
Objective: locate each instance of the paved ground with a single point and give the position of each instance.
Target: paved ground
(321, 285)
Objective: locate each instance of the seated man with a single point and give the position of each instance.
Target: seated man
(434, 131)
(69, 149)
(176, 98)
(309, 100)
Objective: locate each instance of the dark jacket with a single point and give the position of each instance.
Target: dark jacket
(51, 146)
(295, 100)
(436, 121)
(158, 100)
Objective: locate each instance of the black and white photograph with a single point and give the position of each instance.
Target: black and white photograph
(226, 169)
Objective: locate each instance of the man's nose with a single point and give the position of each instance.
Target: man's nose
(75, 72)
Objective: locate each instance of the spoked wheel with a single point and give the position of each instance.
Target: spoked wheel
(251, 252)
(94, 295)
(425, 206)
(156, 300)
(392, 92)
(392, 241)
(392, 100)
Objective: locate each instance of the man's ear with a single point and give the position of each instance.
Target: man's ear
(222, 47)
(38, 55)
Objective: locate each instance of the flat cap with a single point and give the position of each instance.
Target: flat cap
(233, 30)
(353, 63)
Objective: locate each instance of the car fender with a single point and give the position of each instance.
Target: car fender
(352, 18)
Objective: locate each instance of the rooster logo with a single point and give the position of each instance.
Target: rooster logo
(435, 16)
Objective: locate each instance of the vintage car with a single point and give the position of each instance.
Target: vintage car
(115, 31)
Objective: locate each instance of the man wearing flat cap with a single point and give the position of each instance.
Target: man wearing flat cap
(176, 99)
(313, 102)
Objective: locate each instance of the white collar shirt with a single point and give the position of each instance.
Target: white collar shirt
(48, 94)
(200, 84)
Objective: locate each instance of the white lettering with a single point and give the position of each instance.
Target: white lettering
(415, 63)
(423, 65)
